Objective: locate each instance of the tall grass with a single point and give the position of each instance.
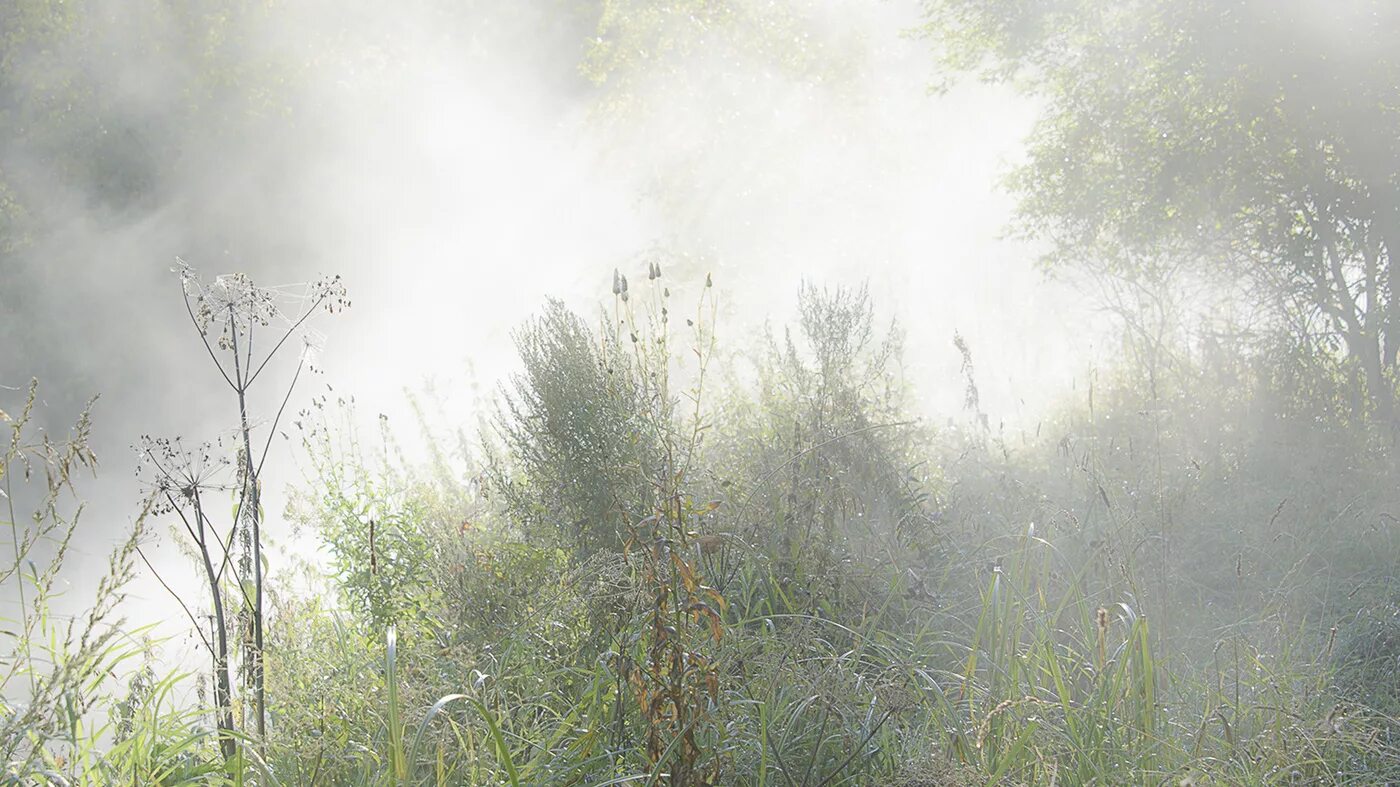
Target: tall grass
(790, 583)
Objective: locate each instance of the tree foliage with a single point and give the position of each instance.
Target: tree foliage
(1250, 137)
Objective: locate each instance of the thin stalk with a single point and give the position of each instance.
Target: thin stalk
(254, 513)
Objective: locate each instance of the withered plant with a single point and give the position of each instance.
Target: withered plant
(234, 319)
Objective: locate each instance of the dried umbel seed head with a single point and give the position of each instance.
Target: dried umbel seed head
(330, 292)
(228, 305)
(173, 475)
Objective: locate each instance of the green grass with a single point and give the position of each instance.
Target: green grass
(821, 606)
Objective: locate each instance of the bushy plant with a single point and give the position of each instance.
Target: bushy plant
(661, 574)
(575, 430)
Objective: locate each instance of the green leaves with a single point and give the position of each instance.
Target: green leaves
(1224, 144)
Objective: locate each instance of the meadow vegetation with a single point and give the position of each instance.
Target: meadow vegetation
(670, 554)
(667, 563)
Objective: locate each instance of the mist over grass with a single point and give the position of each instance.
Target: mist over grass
(631, 392)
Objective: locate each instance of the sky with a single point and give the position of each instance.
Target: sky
(457, 170)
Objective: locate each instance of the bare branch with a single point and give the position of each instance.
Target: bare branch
(228, 553)
(286, 336)
(205, 339)
(272, 430)
(193, 620)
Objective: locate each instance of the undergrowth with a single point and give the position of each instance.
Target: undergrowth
(668, 564)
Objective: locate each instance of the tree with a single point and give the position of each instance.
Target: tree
(1255, 138)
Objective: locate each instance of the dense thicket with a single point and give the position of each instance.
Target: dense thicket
(771, 572)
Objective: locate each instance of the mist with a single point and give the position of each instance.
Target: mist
(457, 168)
(1065, 325)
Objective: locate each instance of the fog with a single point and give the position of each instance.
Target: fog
(1043, 428)
(457, 168)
